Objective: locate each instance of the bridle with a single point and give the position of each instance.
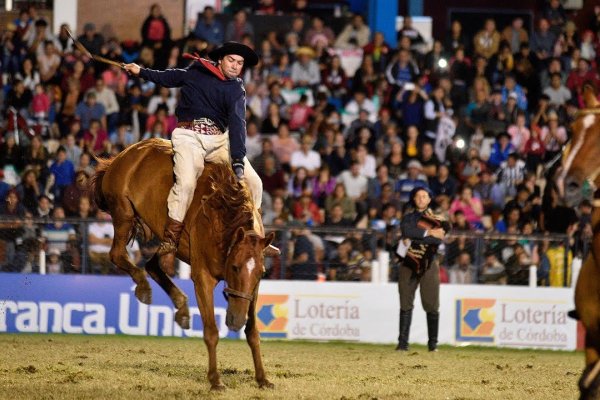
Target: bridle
(591, 178)
(236, 293)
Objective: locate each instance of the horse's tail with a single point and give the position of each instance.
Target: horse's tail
(96, 181)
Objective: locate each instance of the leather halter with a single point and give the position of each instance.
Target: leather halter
(236, 293)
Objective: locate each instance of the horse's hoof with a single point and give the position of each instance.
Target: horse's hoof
(182, 317)
(573, 314)
(266, 385)
(144, 295)
(218, 387)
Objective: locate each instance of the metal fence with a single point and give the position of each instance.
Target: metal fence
(310, 253)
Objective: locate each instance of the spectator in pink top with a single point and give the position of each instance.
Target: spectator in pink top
(469, 205)
(40, 105)
(299, 114)
(519, 133)
(113, 76)
(284, 145)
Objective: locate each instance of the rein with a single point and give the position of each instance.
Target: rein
(236, 293)
(591, 179)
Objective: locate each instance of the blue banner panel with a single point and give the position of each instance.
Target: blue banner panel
(88, 304)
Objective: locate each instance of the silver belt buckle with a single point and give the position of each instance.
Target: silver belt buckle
(203, 121)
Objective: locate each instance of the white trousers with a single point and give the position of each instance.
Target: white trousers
(191, 151)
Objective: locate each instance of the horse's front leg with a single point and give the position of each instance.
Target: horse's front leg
(204, 286)
(253, 339)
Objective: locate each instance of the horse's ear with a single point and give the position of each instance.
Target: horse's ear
(268, 239)
(240, 233)
(589, 96)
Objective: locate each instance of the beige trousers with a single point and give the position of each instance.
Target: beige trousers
(191, 151)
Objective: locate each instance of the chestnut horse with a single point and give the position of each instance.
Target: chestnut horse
(220, 240)
(581, 163)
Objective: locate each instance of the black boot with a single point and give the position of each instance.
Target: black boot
(433, 323)
(405, 319)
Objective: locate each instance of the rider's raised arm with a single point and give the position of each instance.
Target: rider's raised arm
(237, 126)
(168, 78)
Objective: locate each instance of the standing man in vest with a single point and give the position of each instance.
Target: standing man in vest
(420, 266)
(212, 103)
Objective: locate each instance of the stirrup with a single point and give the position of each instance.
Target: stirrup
(271, 251)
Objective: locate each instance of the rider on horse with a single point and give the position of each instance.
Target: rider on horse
(212, 103)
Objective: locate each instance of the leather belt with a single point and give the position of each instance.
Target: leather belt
(202, 126)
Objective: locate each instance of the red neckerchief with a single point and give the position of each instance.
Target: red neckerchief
(207, 64)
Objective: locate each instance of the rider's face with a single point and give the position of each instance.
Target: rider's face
(231, 65)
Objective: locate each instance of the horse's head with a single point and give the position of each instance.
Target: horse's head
(244, 267)
(581, 157)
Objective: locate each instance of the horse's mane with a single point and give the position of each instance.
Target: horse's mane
(231, 200)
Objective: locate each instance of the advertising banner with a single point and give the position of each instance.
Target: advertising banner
(508, 316)
(96, 305)
(511, 316)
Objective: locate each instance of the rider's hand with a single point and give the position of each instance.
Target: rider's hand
(238, 169)
(132, 68)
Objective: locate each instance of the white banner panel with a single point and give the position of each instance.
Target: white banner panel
(469, 314)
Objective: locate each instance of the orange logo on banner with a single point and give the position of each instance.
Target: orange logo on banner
(475, 320)
(272, 315)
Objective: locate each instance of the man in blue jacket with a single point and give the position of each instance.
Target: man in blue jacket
(212, 103)
(420, 268)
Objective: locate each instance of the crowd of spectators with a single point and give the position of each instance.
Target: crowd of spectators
(477, 120)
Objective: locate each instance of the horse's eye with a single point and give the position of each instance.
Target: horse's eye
(236, 268)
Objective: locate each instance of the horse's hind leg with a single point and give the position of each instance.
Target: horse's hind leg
(180, 300)
(123, 219)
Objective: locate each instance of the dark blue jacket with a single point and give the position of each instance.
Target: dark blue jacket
(411, 230)
(204, 95)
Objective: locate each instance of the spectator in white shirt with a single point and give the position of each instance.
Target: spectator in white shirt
(305, 70)
(463, 271)
(354, 183)
(360, 102)
(165, 97)
(367, 162)
(306, 157)
(558, 93)
(106, 96)
(100, 236)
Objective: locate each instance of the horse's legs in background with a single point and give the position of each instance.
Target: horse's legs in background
(180, 300)
(204, 285)
(253, 339)
(123, 217)
(587, 304)
(592, 347)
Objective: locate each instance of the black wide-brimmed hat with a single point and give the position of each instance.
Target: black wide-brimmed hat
(249, 55)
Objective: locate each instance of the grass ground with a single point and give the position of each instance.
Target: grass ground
(124, 367)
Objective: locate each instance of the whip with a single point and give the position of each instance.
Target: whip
(95, 57)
